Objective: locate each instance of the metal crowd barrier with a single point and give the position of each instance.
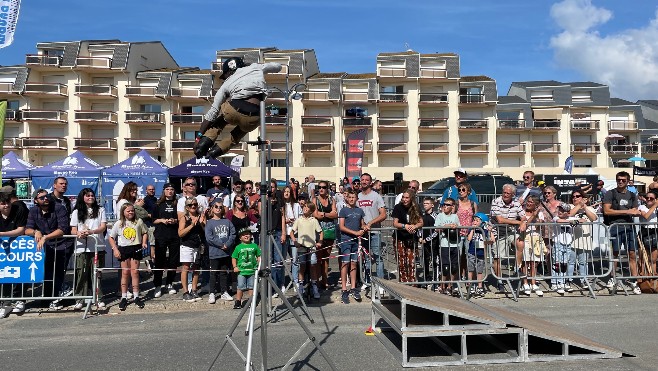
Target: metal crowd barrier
(634, 247)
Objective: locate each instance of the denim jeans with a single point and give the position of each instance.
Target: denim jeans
(560, 255)
(278, 255)
(579, 256)
(294, 268)
(375, 249)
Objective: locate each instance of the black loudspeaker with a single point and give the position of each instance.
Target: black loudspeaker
(397, 178)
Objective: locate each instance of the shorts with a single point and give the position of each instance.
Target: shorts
(307, 256)
(245, 282)
(475, 263)
(130, 252)
(349, 247)
(449, 260)
(504, 246)
(623, 234)
(189, 254)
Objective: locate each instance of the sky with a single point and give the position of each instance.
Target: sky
(611, 42)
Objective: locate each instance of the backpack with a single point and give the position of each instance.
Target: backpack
(607, 220)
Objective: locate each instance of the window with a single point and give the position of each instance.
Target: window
(471, 95)
(580, 96)
(508, 115)
(278, 162)
(541, 95)
(189, 135)
(192, 109)
(356, 112)
(53, 52)
(155, 108)
(13, 105)
(391, 89)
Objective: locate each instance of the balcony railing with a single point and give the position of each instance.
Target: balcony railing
(32, 88)
(511, 124)
(396, 147)
(547, 124)
(511, 148)
(367, 147)
(550, 148)
(622, 125)
(355, 97)
(145, 117)
(433, 73)
(144, 144)
(95, 143)
(433, 123)
(279, 146)
(433, 147)
(96, 116)
(315, 95)
(6, 87)
(585, 148)
(11, 143)
(392, 122)
(650, 148)
(93, 62)
(392, 98)
(44, 143)
(186, 118)
(317, 146)
(182, 144)
(42, 60)
(186, 93)
(99, 90)
(471, 98)
(467, 148)
(619, 149)
(276, 120)
(357, 121)
(13, 115)
(317, 121)
(140, 91)
(45, 115)
(585, 124)
(392, 72)
(433, 98)
(473, 124)
(276, 95)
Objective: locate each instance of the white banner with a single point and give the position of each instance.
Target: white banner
(236, 163)
(8, 19)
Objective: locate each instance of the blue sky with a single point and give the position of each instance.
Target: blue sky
(607, 41)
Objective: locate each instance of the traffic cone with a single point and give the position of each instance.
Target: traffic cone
(370, 331)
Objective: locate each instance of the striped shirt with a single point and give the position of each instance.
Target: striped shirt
(513, 211)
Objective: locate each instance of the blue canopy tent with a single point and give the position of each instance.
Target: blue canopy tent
(141, 169)
(14, 167)
(80, 171)
(202, 167)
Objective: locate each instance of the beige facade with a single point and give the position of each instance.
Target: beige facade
(111, 99)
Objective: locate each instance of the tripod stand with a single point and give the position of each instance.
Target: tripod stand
(264, 280)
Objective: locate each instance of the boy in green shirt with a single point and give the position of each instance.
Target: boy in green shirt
(246, 258)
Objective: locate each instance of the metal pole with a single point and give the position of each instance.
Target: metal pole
(286, 95)
(265, 251)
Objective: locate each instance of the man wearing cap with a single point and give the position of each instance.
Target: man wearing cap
(460, 177)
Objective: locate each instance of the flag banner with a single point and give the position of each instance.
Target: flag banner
(644, 171)
(568, 164)
(3, 112)
(236, 163)
(8, 19)
(354, 153)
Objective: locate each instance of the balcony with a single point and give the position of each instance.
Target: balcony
(278, 146)
(622, 125)
(144, 144)
(392, 147)
(6, 88)
(390, 99)
(357, 122)
(95, 143)
(96, 91)
(33, 89)
(145, 118)
(473, 148)
(367, 147)
(355, 97)
(187, 94)
(622, 149)
(433, 147)
(399, 123)
(95, 117)
(433, 98)
(545, 148)
(471, 98)
(45, 116)
(585, 148)
(433, 73)
(180, 145)
(649, 148)
(510, 148)
(433, 123)
(316, 97)
(47, 143)
(323, 147)
(12, 116)
(141, 92)
(275, 96)
(511, 125)
(276, 120)
(43, 62)
(93, 63)
(392, 72)
(584, 125)
(183, 119)
(317, 122)
(547, 125)
(473, 124)
(11, 143)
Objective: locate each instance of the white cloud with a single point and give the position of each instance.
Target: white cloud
(627, 61)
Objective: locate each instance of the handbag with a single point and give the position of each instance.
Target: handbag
(328, 230)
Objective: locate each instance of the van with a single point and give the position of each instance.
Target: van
(483, 184)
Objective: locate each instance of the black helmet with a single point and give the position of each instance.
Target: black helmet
(231, 65)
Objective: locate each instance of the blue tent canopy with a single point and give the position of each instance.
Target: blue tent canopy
(80, 171)
(201, 167)
(14, 167)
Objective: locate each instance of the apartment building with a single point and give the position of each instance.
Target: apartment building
(110, 98)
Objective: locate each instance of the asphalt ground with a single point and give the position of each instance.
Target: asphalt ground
(169, 334)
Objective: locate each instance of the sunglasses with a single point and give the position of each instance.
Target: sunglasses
(462, 189)
(189, 184)
(622, 180)
(42, 197)
(577, 196)
(193, 205)
(548, 193)
(448, 204)
(650, 198)
(527, 177)
(322, 187)
(238, 201)
(216, 206)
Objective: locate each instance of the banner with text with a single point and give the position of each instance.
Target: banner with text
(8, 19)
(644, 171)
(354, 153)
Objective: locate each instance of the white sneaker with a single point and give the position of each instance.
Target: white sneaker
(535, 287)
(527, 289)
(78, 305)
(19, 307)
(225, 296)
(129, 295)
(172, 290)
(567, 287)
(316, 293)
(560, 289)
(636, 289)
(283, 289)
(611, 283)
(158, 291)
(300, 288)
(101, 305)
(55, 305)
(211, 298)
(539, 293)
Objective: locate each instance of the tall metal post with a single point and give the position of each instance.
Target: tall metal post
(264, 241)
(286, 95)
